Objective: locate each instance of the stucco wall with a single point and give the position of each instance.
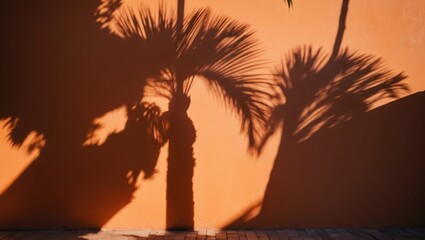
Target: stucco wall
(74, 182)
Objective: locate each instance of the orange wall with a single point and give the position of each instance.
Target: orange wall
(228, 180)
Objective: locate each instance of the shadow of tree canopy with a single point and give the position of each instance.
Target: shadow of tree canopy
(60, 69)
(340, 163)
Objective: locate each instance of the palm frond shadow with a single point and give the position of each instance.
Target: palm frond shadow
(216, 49)
(317, 95)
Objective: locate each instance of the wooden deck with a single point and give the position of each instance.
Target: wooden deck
(285, 234)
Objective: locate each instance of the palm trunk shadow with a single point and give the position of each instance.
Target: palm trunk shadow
(181, 163)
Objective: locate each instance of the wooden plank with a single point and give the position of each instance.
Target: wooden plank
(282, 235)
(251, 235)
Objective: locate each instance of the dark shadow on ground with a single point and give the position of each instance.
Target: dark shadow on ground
(340, 233)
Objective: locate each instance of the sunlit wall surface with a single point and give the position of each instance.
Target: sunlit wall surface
(70, 156)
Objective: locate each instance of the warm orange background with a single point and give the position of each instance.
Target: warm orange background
(227, 179)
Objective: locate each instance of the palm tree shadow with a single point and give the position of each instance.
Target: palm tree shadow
(339, 162)
(61, 69)
(217, 50)
(337, 159)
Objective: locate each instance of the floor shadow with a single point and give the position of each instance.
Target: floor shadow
(60, 71)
